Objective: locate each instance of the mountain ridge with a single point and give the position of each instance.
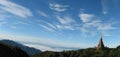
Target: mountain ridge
(29, 50)
(11, 51)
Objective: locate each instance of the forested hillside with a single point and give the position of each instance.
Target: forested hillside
(11, 51)
(28, 50)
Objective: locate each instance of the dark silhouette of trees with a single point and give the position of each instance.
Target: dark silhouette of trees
(89, 52)
(11, 51)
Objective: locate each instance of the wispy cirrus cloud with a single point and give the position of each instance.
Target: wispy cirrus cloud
(66, 20)
(106, 27)
(46, 27)
(43, 14)
(15, 9)
(65, 27)
(51, 25)
(93, 24)
(22, 23)
(58, 7)
(98, 26)
(62, 23)
(86, 17)
(65, 23)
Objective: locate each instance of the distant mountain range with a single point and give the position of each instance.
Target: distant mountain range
(29, 50)
(11, 51)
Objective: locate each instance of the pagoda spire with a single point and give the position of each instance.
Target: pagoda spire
(101, 44)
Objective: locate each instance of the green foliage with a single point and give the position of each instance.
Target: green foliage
(90, 52)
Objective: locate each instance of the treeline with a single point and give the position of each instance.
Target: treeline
(90, 52)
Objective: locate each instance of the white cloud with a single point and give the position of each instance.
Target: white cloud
(46, 27)
(58, 7)
(106, 34)
(89, 27)
(84, 30)
(62, 23)
(65, 23)
(43, 14)
(69, 27)
(92, 24)
(54, 46)
(46, 48)
(86, 17)
(66, 20)
(105, 27)
(43, 48)
(51, 25)
(65, 27)
(15, 9)
(20, 22)
(98, 25)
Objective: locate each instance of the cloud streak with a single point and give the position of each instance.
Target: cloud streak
(86, 17)
(65, 23)
(65, 20)
(15, 9)
(93, 24)
(46, 27)
(58, 7)
(62, 23)
(43, 14)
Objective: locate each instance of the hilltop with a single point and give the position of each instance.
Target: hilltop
(29, 50)
(11, 51)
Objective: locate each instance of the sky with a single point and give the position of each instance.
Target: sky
(57, 25)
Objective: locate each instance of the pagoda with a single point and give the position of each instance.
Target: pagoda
(101, 44)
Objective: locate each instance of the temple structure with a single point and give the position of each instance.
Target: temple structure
(101, 44)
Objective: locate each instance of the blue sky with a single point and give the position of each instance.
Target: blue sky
(57, 25)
